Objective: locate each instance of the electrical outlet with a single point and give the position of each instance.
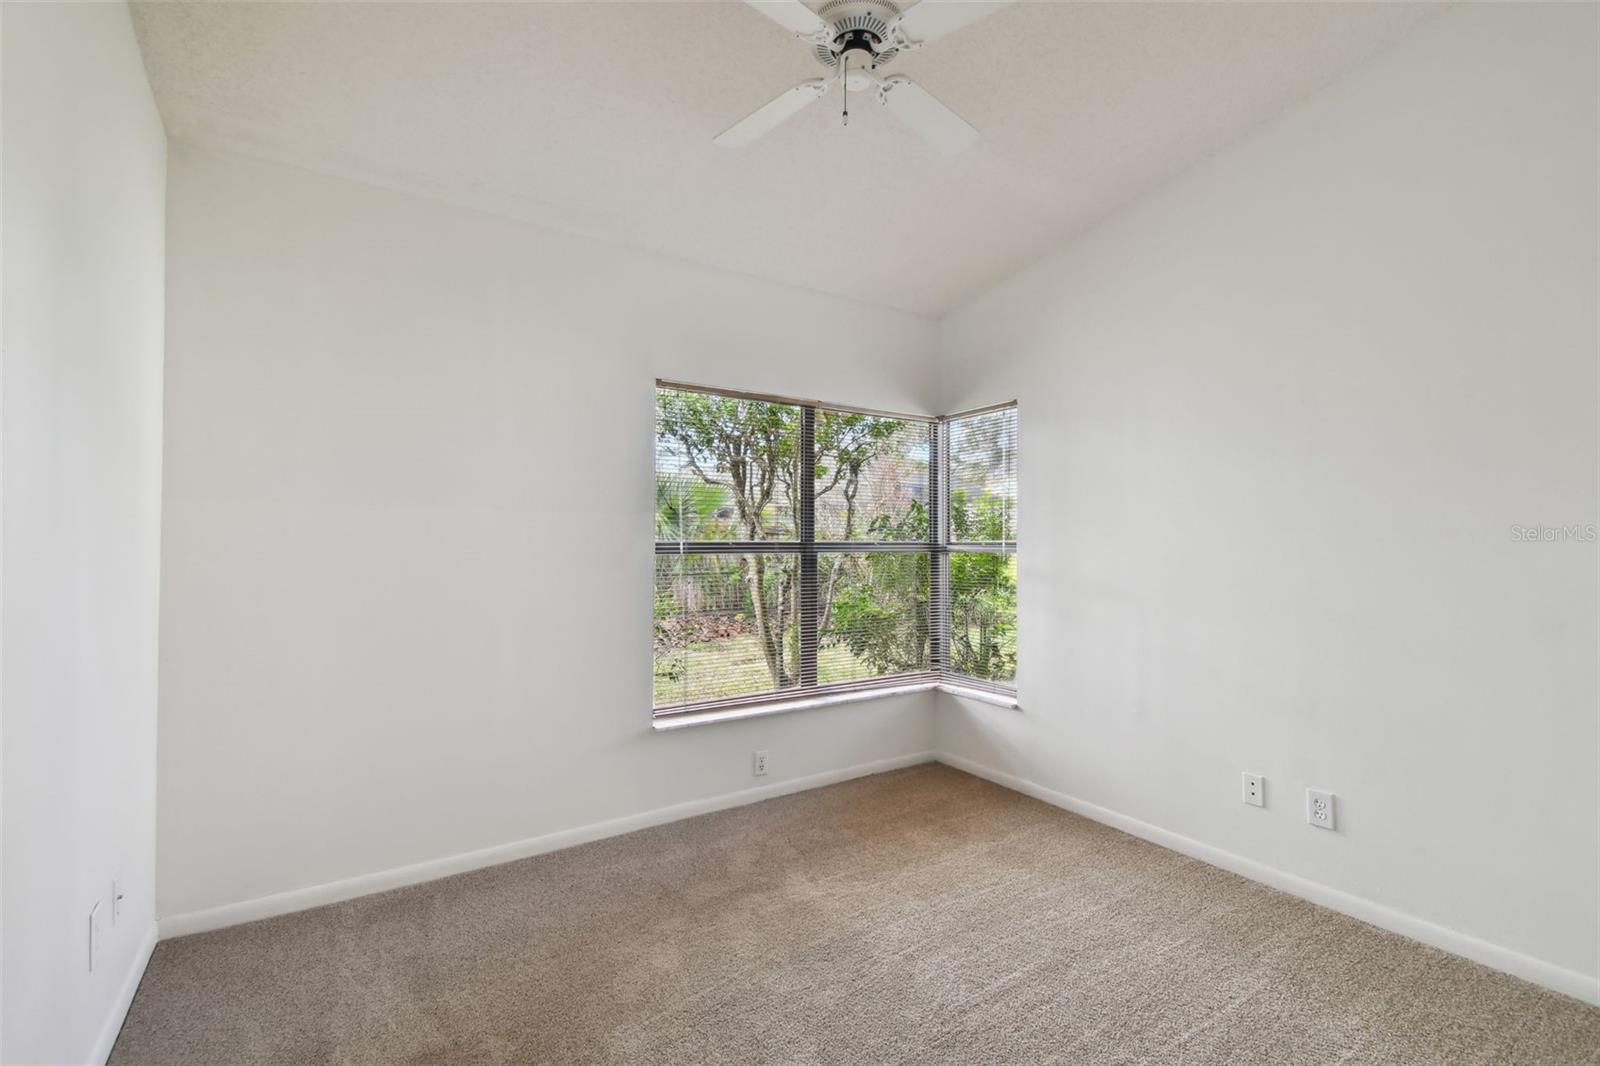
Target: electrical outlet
(759, 764)
(1319, 808)
(1255, 789)
(117, 897)
(94, 934)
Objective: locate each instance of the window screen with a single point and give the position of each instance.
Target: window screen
(804, 549)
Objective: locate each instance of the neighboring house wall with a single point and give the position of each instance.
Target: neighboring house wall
(1277, 423)
(82, 203)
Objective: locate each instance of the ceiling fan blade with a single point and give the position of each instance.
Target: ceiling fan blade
(770, 116)
(792, 15)
(922, 113)
(931, 19)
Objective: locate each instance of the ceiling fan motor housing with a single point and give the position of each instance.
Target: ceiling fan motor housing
(860, 29)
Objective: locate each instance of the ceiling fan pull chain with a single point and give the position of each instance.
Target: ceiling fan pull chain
(844, 85)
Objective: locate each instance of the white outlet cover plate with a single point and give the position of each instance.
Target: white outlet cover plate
(1255, 789)
(1320, 809)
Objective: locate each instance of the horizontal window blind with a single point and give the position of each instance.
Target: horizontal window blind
(804, 548)
(874, 615)
(726, 626)
(726, 468)
(980, 581)
(983, 478)
(871, 478)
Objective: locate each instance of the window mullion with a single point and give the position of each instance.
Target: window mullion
(809, 592)
(938, 539)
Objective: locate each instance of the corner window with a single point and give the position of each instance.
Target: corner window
(808, 549)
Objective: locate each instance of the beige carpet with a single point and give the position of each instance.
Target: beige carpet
(921, 916)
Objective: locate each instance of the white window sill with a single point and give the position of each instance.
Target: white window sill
(806, 703)
(979, 695)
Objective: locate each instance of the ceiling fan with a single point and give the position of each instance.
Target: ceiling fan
(854, 39)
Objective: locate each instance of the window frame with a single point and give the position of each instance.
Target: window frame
(937, 548)
(965, 684)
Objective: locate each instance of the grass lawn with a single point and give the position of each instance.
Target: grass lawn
(733, 666)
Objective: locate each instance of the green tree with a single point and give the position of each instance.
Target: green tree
(983, 591)
(750, 450)
(689, 509)
(880, 608)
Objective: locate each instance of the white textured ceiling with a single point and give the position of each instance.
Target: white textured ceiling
(597, 118)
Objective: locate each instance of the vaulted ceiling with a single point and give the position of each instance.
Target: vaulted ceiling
(597, 118)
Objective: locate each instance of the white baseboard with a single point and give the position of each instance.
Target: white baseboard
(1548, 974)
(119, 1009)
(338, 891)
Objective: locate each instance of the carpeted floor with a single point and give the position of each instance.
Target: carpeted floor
(920, 916)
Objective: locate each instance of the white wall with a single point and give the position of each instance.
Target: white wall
(82, 208)
(1276, 424)
(408, 508)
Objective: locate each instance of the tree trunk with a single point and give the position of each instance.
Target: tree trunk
(825, 600)
(771, 643)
